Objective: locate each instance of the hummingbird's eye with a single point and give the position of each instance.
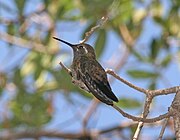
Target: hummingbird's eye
(80, 47)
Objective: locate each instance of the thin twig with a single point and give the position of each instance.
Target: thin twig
(119, 127)
(90, 111)
(65, 68)
(8, 135)
(138, 130)
(163, 128)
(144, 115)
(150, 93)
(89, 33)
(175, 109)
(111, 72)
(126, 35)
(42, 133)
(25, 43)
(165, 91)
(140, 119)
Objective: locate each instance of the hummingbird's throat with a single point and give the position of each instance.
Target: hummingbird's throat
(86, 51)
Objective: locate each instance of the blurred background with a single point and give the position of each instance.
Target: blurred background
(140, 42)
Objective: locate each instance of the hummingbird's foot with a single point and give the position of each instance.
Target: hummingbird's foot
(65, 68)
(108, 70)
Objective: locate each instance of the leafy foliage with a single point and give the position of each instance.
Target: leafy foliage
(33, 115)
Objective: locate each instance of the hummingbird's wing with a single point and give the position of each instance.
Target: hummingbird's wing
(94, 77)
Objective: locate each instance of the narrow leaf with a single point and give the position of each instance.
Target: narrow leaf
(141, 74)
(87, 29)
(100, 42)
(20, 5)
(155, 46)
(152, 85)
(166, 60)
(128, 103)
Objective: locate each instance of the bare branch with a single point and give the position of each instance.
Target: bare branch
(65, 68)
(150, 93)
(163, 128)
(138, 130)
(8, 135)
(175, 109)
(42, 133)
(165, 91)
(140, 119)
(144, 115)
(118, 127)
(90, 110)
(89, 33)
(111, 72)
(126, 35)
(25, 43)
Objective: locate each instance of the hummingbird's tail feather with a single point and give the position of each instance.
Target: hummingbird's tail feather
(98, 92)
(106, 90)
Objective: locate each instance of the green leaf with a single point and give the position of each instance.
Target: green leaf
(47, 38)
(3, 81)
(166, 61)
(62, 81)
(155, 46)
(160, 21)
(100, 43)
(94, 9)
(87, 29)
(152, 85)
(46, 3)
(18, 79)
(141, 74)
(38, 66)
(11, 29)
(20, 5)
(123, 11)
(128, 103)
(84, 93)
(137, 55)
(29, 110)
(63, 7)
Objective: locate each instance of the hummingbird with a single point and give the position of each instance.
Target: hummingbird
(88, 74)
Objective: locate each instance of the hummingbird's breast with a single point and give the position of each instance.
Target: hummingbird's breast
(76, 79)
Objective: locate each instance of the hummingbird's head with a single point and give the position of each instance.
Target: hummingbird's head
(81, 49)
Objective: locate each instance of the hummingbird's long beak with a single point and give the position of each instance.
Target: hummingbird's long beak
(69, 44)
